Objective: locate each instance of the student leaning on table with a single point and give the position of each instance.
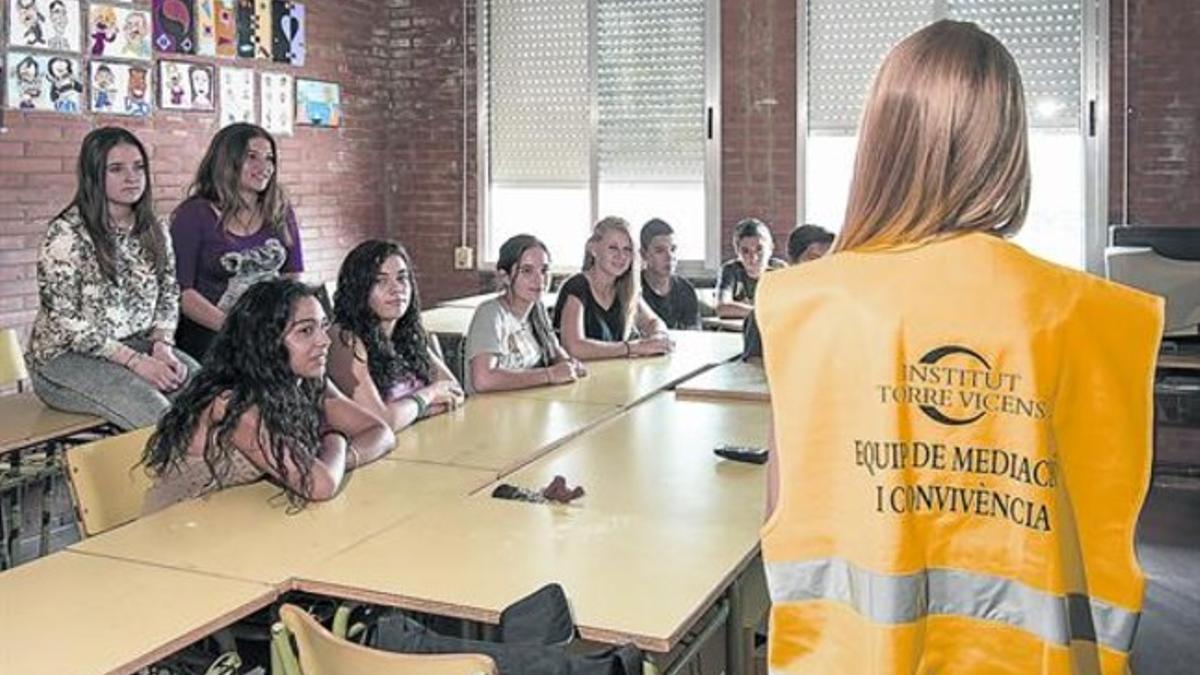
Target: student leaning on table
(599, 308)
(961, 428)
(510, 344)
(108, 299)
(381, 356)
(261, 406)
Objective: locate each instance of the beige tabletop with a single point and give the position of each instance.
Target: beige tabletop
(736, 380)
(473, 301)
(25, 421)
(629, 578)
(447, 320)
(82, 614)
(498, 433)
(656, 460)
(248, 533)
(623, 382)
(720, 324)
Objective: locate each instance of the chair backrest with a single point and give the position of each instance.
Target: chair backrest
(322, 653)
(107, 487)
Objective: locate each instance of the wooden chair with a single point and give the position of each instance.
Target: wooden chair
(323, 653)
(107, 486)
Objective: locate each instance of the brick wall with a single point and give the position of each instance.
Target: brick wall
(1163, 112)
(333, 175)
(758, 106)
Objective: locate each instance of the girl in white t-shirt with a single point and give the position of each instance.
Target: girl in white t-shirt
(510, 344)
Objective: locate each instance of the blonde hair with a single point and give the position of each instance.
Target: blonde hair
(943, 145)
(629, 285)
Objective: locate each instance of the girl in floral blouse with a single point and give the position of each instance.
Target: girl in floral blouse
(109, 302)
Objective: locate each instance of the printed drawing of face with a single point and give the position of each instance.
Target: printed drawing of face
(104, 77)
(173, 75)
(104, 18)
(137, 83)
(28, 14)
(59, 70)
(201, 86)
(58, 16)
(135, 27)
(27, 71)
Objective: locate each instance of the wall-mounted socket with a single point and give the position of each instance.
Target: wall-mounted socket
(464, 258)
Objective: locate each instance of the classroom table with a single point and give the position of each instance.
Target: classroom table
(736, 380)
(82, 614)
(629, 578)
(248, 533)
(727, 325)
(498, 433)
(624, 382)
(1179, 361)
(664, 529)
(446, 320)
(26, 421)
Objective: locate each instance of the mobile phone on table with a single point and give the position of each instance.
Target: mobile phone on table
(742, 453)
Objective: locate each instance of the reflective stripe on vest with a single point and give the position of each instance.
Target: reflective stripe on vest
(896, 599)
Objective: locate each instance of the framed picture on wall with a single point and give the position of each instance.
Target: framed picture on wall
(206, 27)
(38, 81)
(118, 31)
(288, 37)
(227, 28)
(174, 26)
(44, 24)
(183, 85)
(237, 95)
(119, 88)
(318, 103)
(278, 103)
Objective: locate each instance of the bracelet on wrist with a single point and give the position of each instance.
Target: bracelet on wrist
(628, 348)
(353, 451)
(422, 406)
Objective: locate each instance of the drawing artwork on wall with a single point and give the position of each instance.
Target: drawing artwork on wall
(44, 24)
(119, 88)
(114, 30)
(174, 26)
(185, 86)
(43, 82)
(278, 104)
(288, 18)
(227, 28)
(237, 96)
(206, 28)
(245, 28)
(263, 29)
(318, 103)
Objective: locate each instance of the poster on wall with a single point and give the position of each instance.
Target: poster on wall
(263, 29)
(120, 88)
(43, 82)
(237, 96)
(278, 104)
(206, 28)
(227, 28)
(174, 26)
(185, 86)
(288, 37)
(245, 28)
(114, 30)
(318, 104)
(44, 24)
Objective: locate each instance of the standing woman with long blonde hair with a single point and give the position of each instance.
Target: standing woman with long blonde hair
(237, 228)
(599, 309)
(962, 430)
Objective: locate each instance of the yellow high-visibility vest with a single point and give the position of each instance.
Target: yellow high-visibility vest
(963, 436)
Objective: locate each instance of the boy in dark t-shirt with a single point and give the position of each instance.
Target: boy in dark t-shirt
(671, 297)
(805, 243)
(739, 277)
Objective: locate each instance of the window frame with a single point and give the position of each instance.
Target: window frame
(712, 144)
(1094, 121)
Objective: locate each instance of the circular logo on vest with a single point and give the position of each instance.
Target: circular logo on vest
(932, 358)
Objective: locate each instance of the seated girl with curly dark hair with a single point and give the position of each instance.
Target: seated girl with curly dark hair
(381, 355)
(261, 406)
